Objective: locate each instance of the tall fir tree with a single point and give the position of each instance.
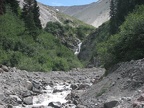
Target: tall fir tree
(30, 15)
(113, 19)
(119, 9)
(36, 14)
(14, 4)
(1, 7)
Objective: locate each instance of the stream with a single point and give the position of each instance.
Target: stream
(52, 97)
(77, 50)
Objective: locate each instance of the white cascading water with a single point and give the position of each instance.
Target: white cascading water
(77, 51)
(48, 96)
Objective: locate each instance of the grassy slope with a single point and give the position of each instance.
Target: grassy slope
(17, 48)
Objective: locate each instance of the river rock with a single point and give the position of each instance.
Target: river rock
(9, 106)
(37, 85)
(1, 70)
(80, 106)
(55, 104)
(18, 99)
(83, 86)
(1, 106)
(74, 86)
(56, 90)
(141, 98)
(29, 85)
(5, 68)
(111, 104)
(26, 94)
(28, 100)
(10, 101)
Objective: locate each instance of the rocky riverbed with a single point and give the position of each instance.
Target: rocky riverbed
(123, 87)
(19, 88)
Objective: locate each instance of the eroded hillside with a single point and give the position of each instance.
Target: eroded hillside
(94, 14)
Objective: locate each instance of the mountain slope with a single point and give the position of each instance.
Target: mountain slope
(94, 14)
(48, 13)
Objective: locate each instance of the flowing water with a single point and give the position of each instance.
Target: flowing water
(78, 49)
(57, 94)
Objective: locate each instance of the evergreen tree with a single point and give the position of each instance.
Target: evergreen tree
(36, 15)
(1, 7)
(30, 15)
(119, 9)
(113, 16)
(14, 5)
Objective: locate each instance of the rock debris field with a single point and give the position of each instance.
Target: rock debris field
(123, 87)
(22, 89)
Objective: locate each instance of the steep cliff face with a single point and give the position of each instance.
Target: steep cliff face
(94, 14)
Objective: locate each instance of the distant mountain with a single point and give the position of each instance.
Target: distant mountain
(48, 13)
(94, 14)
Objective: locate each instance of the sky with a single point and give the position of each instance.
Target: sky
(66, 2)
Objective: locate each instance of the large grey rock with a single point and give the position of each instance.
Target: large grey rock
(10, 101)
(74, 86)
(28, 100)
(29, 85)
(111, 104)
(36, 85)
(5, 68)
(17, 98)
(9, 106)
(80, 106)
(2, 106)
(26, 94)
(36, 90)
(55, 104)
(83, 86)
(1, 70)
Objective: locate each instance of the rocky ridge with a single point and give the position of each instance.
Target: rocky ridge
(94, 14)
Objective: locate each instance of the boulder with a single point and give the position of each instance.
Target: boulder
(83, 86)
(26, 94)
(29, 85)
(1, 106)
(9, 106)
(56, 90)
(28, 100)
(39, 91)
(74, 86)
(111, 104)
(10, 101)
(37, 85)
(17, 98)
(1, 70)
(141, 98)
(80, 106)
(55, 104)
(5, 68)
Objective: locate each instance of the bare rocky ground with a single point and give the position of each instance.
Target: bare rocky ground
(18, 86)
(122, 88)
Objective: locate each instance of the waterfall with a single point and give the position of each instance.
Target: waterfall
(77, 51)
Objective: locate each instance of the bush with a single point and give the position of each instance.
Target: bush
(128, 43)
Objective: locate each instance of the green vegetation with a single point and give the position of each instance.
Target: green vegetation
(68, 34)
(126, 44)
(119, 9)
(118, 40)
(19, 48)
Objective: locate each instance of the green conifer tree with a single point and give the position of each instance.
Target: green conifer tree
(1, 7)
(36, 15)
